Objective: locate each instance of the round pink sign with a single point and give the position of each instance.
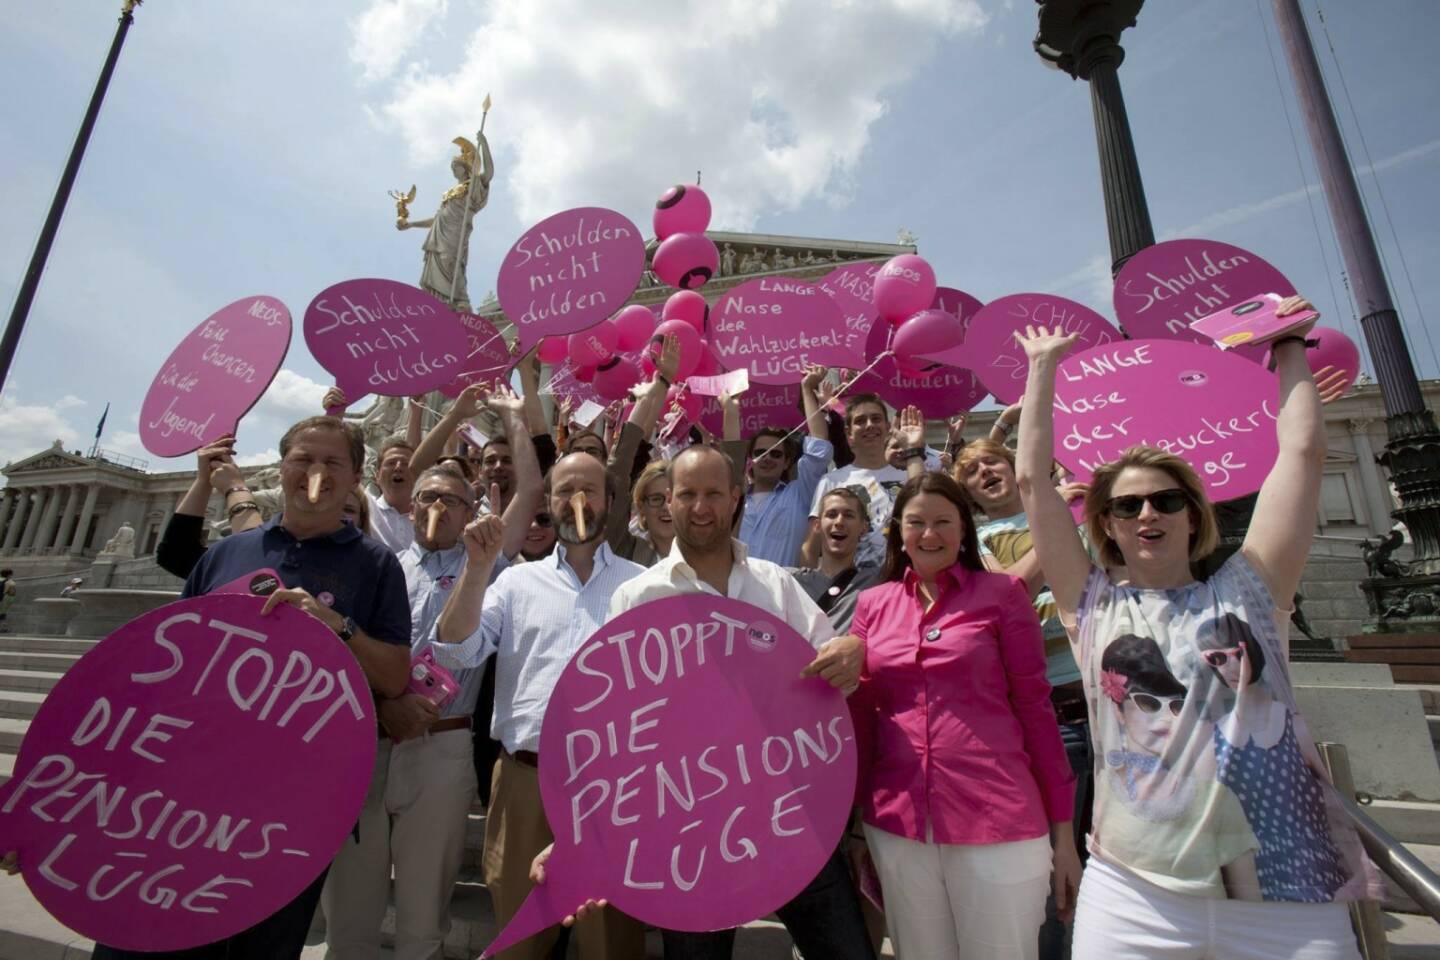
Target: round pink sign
(385, 337)
(774, 326)
(569, 272)
(1215, 409)
(487, 358)
(852, 287)
(166, 794)
(763, 405)
(996, 356)
(1166, 287)
(213, 378)
(678, 820)
(941, 392)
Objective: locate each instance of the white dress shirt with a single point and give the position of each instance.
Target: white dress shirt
(534, 618)
(391, 527)
(757, 582)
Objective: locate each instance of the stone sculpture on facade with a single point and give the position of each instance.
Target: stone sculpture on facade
(122, 545)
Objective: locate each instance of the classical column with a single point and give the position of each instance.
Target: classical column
(9, 497)
(46, 532)
(82, 525)
(37, 510)
(17, 522)
(56, 544)
(1377, 495)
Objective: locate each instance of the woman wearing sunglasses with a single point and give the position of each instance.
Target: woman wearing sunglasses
(1145, 892)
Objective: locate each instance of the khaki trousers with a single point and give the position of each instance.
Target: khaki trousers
(414, 818)
(515, 831)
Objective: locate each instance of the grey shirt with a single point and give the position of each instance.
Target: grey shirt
(839, 606)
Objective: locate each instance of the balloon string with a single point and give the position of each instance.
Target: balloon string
(482, 346)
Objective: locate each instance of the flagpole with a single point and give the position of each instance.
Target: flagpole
(26, 295)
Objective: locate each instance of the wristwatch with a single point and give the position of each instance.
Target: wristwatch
(347, 629)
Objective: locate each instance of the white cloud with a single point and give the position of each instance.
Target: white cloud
(387, 31)
(27, 429)
(292, 396)
(68, 402)
(1090, 282)
(610, 103)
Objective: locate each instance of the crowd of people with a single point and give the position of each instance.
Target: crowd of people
(1068, 744)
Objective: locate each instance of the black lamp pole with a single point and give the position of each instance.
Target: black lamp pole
(11, 338)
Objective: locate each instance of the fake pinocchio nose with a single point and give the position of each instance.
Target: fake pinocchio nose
(436, 511)
(577, 504)
(317, 477)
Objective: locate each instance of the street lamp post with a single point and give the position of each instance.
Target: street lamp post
(1082, 37)
(10, 340)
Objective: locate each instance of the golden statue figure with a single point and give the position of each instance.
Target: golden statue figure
(447, 244)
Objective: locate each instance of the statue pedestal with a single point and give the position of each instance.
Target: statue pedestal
(1408, 604)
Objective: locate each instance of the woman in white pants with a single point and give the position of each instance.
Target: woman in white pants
(964, 782)
(1193, 856)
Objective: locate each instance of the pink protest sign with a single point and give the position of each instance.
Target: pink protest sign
(166, 794)
(1215, 409)
(990, 347)
(385, 337)
(762, 405)
(569, 272)
(1166, 287)
(959, 304)
(941, 391)
(852, 287)
(487, 357)
(215, 376)
(774, 326)
(678, 820)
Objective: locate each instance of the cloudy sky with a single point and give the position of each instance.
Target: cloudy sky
(247, 148)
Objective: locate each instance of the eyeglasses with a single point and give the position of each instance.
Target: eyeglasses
(1164, 501)
(1152, 704)
(541, 520)
(1217, 658)
(654, 501)
(428, 498)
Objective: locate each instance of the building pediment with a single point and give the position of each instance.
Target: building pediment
(52, 459)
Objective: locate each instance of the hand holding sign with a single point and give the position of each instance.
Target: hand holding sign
(165, 795)
(685, 823)
(215, 376)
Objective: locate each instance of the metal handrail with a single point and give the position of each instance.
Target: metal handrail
(1407, 870)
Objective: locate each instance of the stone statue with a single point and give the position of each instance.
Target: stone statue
(905, 238)
(447, 244)
(1377, 557)
(122, 545)
(727, 261)
(782, 260)
(752, 261)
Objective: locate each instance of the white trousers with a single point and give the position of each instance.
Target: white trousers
(948, 901)
(414, 818)
(1123, 917)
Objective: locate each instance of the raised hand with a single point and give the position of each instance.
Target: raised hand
(468, 403)
(1043, 343)
(503, 400)
(667, 361)
(956, 436)
(911, 427)
(1070, 492)
(814, 376)
(334, 397)
(1331, 383)
(483, 538)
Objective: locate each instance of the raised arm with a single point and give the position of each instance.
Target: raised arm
(1057, 543)
(460, 621)
(525, 499)
(810, 396)
(911, 426)
(529, 370)
(414, 420)
(433, 446)
(1283, 527)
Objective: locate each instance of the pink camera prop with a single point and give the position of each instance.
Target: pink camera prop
(430, 680)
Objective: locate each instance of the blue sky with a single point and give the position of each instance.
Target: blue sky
(247, 148)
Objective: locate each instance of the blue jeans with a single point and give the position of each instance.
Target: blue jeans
(280, 936)
(824, 920)
(1054, 935)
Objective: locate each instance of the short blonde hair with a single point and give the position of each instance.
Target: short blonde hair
(655, 469)
(976, 450)
(1206, 535)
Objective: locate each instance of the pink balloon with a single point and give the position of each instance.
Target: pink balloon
(615, 377)
(689, 306)
(689, 260)
(647, 365)
(681, 209)
(905, 285)
(689, 401)
(585, 374)
(928, 331)
(690, 347)
(708, 366)
(593, 345)
(1335, 351)
(634, 325)
(554, 350)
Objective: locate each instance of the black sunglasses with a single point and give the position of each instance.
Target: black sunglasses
(1164, 501)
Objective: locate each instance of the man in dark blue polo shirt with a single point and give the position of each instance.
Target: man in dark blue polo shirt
(353, 584)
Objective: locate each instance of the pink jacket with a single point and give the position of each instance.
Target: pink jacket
(953, 715)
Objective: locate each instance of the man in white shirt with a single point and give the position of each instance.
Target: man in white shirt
(867, 430)
(390, 521)
(533, 618)
(824, 918)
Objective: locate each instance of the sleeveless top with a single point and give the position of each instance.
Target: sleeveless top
(1206, 780)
